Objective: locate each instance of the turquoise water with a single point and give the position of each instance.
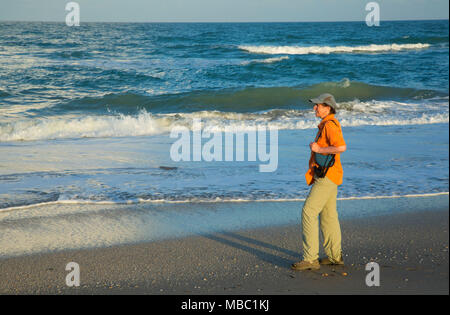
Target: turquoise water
(86, 112)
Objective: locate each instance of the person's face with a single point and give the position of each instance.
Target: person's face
(321, 110)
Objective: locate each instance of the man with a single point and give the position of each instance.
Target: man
(321, 200)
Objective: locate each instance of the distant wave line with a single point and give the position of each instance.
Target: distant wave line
(267, 60)
(300, 50)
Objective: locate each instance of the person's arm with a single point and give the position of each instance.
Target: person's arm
(335, 139)
(327, 150)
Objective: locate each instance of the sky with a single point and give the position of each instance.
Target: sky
(221, 10)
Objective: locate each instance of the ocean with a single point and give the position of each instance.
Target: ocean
(86, 112)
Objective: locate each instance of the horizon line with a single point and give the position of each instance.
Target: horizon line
(142, 22)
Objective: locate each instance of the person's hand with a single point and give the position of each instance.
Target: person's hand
(314, 147)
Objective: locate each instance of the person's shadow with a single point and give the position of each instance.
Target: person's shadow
(250, 245)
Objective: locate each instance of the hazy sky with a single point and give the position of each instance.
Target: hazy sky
(221, 10)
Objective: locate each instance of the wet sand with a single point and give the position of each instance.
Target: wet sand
(410, 248)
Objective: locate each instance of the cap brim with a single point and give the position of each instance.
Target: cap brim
(315, 101)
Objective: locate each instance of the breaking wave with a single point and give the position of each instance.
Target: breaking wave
(354, 113)
(246, 100)
(267, 60)
(306, 50)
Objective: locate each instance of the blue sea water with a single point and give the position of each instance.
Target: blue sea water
(86, 112)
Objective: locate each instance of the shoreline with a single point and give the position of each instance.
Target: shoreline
(250, 261)
(139, 202)
(56, 228)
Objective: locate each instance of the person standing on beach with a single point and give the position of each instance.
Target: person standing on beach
(325, 179)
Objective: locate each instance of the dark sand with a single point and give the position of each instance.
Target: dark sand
(411, 249)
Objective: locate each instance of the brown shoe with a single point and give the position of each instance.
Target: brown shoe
(328, 261)
(306, 265)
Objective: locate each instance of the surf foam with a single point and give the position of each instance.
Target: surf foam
(300, 50)
(145, 124)
(198, 200)
(267, 60)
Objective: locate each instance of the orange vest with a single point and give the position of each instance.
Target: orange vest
(331, 136)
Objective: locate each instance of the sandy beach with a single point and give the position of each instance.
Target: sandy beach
(410, 248)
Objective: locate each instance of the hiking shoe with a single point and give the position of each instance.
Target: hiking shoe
(328, 261)
(305, 265)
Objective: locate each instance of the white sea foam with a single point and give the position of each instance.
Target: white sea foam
(305, 50)
(351, 114)
(86, 127)
(267, 60)
(198, 200)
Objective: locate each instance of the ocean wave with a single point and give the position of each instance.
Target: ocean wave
(84, 127)
(267, 60)
(299, 50)
(355, 113)
(431, 39)
(249, 99)
(4, 94)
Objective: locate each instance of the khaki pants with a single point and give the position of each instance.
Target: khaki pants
(321, 202)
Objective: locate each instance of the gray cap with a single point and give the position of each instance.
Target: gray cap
(326, 99)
